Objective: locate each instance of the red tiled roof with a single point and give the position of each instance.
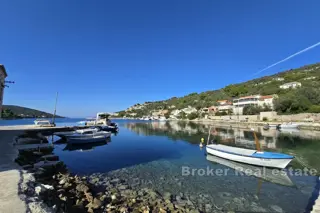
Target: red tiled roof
(266, 97)
(251, 96)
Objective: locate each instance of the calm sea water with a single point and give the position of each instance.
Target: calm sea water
(158, 154)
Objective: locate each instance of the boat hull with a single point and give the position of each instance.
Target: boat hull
(85, 140)
(264, 173)
(265, 162)
(289, 126)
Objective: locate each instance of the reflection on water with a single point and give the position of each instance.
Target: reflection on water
(267, 174)
(304, 145)
(86, 147)
(152, 154)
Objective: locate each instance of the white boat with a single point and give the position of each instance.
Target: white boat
(250, 156)
(289, 125)
(264, 173)
(273, 125)
(162, 119)
(87, 136)
(43, 122)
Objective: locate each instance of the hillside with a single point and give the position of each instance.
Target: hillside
(305, 98)
(11, 111)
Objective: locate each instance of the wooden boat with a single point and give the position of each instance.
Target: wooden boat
(249, 156)
(264, 173)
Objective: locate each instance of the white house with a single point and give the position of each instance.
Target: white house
(224, 106)
(290, 85)
(3, 75)
(253, 100)
(278, 79)
(310, 78)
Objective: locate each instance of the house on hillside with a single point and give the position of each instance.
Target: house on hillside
(278, 79)
(224, 106)
(212, 109)
(252, 100)
(291, 85)
(310, 78)
(3, 75)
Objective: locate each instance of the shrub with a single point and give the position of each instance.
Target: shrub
(314, 109)
(221, 113)
(192, 116)
(265, 119)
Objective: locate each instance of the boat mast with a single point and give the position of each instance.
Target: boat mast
(55, 110)
(257, 141)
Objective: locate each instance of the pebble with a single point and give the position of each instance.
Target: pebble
(113, 197)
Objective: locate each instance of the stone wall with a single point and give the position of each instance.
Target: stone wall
(271, 116)
(236, 118)
(268, 115)
(307, 117)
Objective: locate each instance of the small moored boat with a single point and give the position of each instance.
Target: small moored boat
(289, 126)
(43, 123)
(87, 136)
(267, 174)
(249, 156)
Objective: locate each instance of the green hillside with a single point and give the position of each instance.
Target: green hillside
(304, 99)
(11, 111)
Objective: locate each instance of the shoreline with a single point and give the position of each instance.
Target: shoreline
(46, 185)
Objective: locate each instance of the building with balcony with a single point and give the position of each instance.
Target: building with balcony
(224, 106)
(253, 100)
(3, 75)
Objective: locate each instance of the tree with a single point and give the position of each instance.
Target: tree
(314, 109)
(251, 110)
(182, 115)
(167, 115)
(292, 102)
(192, 116)
(7, 113)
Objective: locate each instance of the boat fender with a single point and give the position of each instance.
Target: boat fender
(201, 142)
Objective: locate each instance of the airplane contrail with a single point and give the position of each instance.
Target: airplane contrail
(287, 58)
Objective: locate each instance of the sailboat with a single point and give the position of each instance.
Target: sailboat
(47, 122)
(249, 156)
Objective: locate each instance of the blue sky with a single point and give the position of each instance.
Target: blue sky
(108, 55)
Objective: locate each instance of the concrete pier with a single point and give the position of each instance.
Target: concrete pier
(10, 175)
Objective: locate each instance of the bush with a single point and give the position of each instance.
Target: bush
(182, 115)
(265, 119)
(221, 113)
(251, 110)
(193, 116)
(314, 109)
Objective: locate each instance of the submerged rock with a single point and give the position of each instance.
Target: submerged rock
(276, 208)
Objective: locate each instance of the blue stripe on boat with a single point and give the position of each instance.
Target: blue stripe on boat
(272, 155)
(266, 155)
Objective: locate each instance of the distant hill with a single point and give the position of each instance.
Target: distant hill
(11, 111)
(306, 98)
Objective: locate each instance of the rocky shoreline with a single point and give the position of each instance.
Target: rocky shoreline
(53, 185)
